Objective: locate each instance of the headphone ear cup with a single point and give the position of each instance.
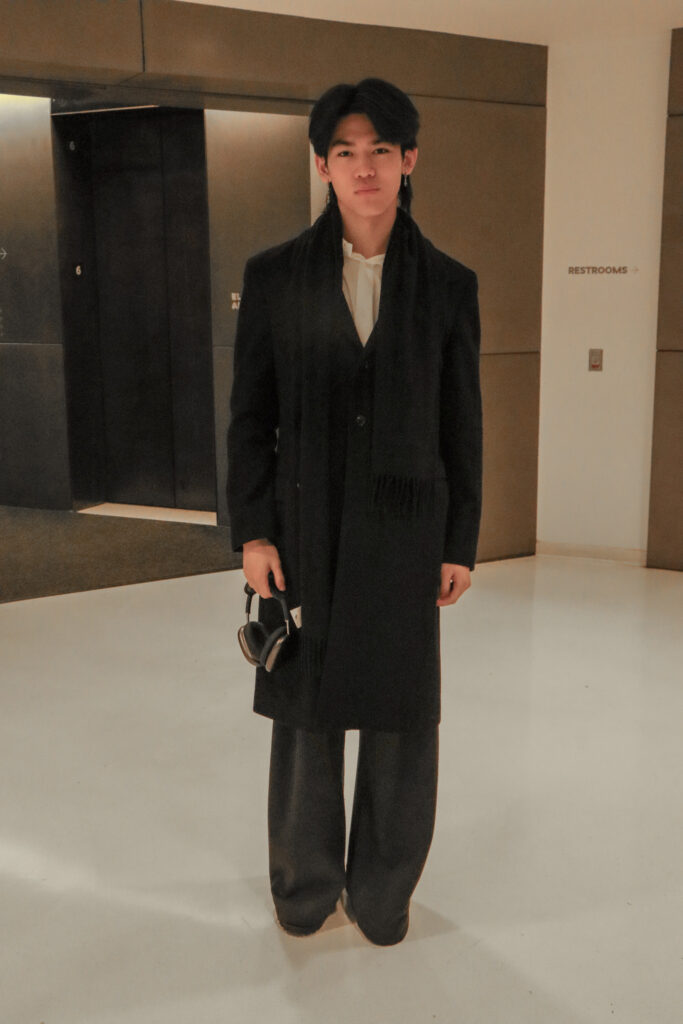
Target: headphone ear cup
(271, 648)
(253, 636)
(244, 647)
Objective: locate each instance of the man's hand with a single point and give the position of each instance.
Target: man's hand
(259, 557)
(455, 580)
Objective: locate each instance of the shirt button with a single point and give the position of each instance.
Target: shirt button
(360, 420)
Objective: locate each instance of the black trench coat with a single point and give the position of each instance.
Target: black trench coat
(382, 663)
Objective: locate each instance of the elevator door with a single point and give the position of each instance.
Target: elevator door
(152, 253)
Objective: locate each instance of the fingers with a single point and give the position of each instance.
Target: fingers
(262, 585)
(259, 581)
(455, 580)
(258, 563)
(279, 577)
(447, 588)
(450, 596)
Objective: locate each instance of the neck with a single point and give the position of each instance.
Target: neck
(369, 236)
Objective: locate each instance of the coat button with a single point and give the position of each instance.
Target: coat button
(360, 420)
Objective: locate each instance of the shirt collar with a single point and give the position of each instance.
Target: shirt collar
(370, 261)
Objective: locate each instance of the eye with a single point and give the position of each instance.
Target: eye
(382, 149)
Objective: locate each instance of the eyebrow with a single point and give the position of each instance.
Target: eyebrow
(344, 142)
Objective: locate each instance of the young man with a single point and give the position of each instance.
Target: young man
(354, 477)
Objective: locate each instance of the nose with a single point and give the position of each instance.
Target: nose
(365, 169)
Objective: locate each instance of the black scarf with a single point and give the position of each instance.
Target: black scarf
(405, 415)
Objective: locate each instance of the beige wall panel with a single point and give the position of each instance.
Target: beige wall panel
(252, 206)
(670, 318)
(479, 184)
(510, 390)
(71, 40)
(665, 534)
(676, 72)
(665, 526)
(30, 296)
(69, 97)
(222, 49)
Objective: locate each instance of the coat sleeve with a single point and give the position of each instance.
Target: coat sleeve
(461, 428)
(252, 434)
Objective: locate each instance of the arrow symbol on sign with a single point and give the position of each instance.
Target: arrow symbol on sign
(3, 253)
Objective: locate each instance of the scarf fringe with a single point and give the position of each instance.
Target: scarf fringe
(405, 497)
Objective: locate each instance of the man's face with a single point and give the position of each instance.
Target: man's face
(364, 170)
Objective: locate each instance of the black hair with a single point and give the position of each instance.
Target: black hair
(392, 113)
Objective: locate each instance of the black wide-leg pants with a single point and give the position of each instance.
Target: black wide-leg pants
(391, 831)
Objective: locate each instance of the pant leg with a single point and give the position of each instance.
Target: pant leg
(391, 828)
(306, 824)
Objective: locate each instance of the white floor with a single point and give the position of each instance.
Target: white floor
(170, 515)
(133, 872)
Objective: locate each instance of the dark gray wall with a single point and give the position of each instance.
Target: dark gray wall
(133, 221)
(34, 461)
(80, 307)
(665, 530)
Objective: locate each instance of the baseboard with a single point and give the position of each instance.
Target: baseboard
(632, 556)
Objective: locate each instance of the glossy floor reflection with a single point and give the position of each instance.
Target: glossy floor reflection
(169, 515)
(133, 871)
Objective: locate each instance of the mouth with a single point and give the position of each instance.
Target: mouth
(370, 189)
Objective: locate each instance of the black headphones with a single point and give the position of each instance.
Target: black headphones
(260, 647)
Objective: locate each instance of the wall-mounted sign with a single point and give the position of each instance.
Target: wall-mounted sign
(602, 270)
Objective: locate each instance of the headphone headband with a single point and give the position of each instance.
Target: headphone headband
(279, 595)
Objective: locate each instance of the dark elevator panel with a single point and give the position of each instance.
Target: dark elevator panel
(139, 378)
(128, 197)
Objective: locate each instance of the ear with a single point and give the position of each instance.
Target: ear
(321, 167)
(409, 160)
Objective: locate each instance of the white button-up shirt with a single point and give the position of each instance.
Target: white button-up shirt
(361, 284)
